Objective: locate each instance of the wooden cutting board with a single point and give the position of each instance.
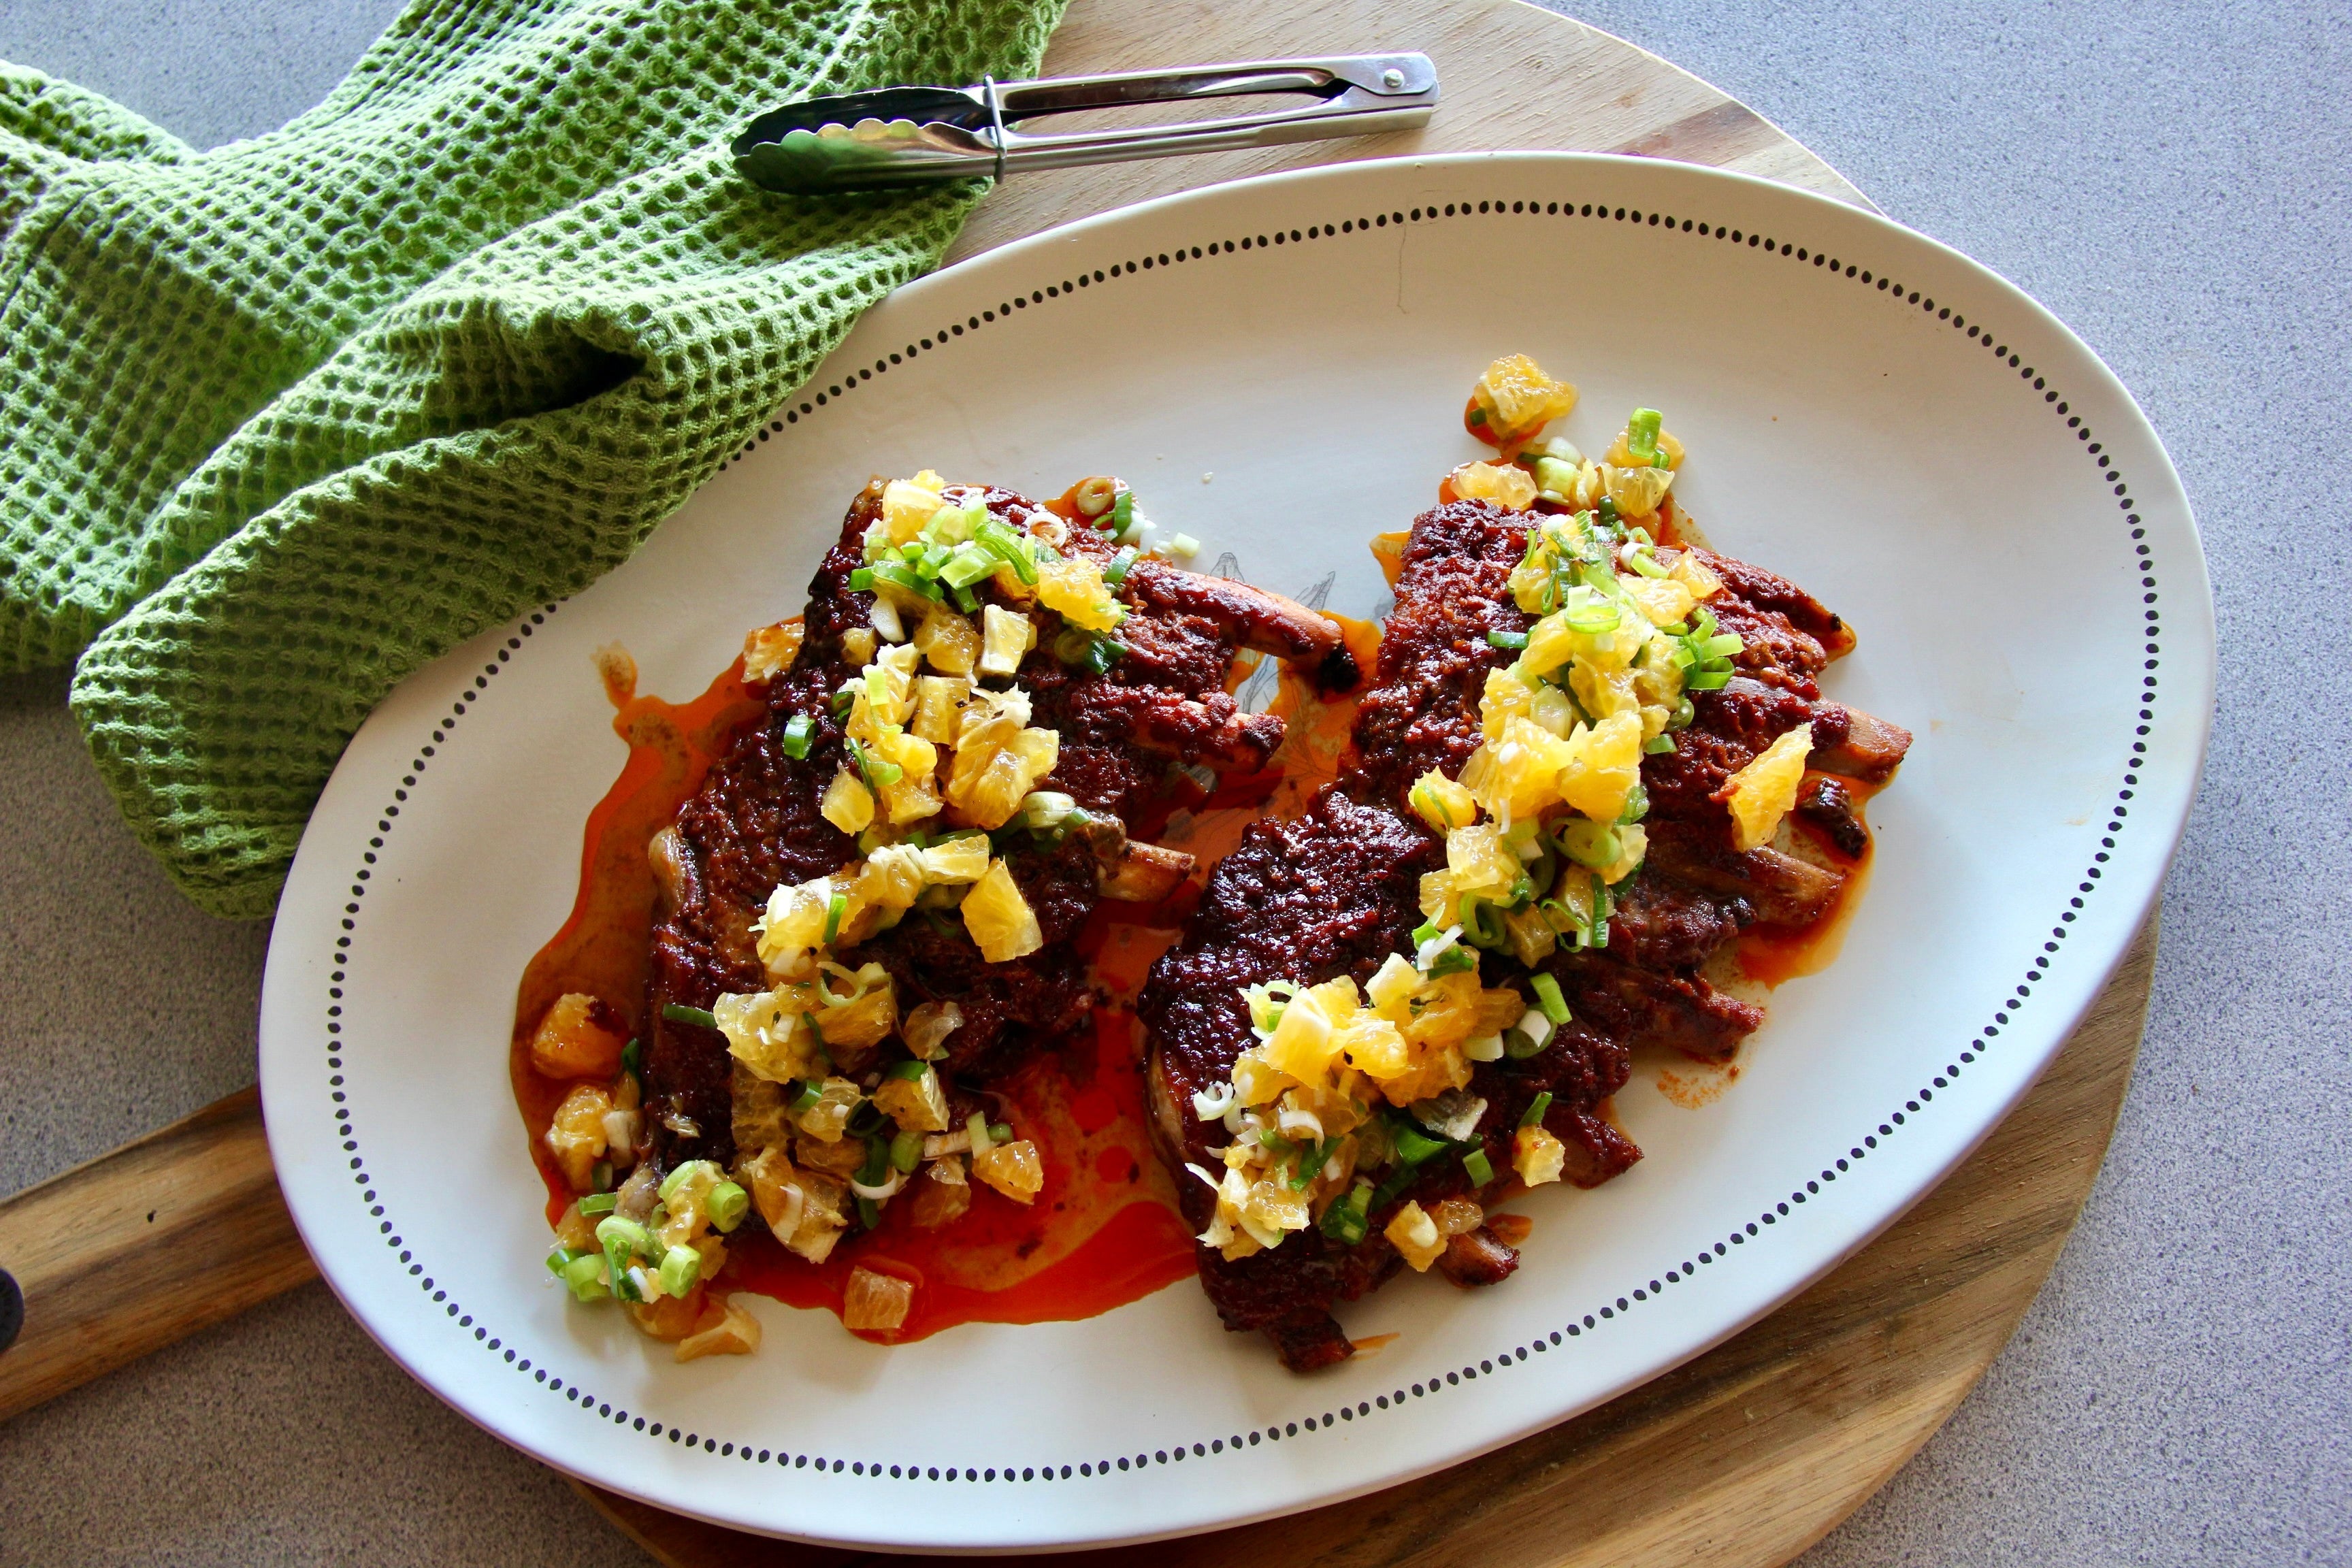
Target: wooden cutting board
(1742, 1457)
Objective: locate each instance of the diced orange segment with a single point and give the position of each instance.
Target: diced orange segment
(1763, 792)
(579, 1037)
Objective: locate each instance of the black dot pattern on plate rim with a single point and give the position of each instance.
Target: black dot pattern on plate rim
(1605, 1309)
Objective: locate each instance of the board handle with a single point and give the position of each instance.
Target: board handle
(143, 1247)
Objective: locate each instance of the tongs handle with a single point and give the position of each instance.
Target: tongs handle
(914, 135)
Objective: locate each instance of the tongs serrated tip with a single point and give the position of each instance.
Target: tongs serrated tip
(901, 136)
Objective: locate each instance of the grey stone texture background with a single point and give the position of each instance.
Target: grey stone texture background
(2171, 180)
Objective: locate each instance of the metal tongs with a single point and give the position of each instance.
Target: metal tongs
(915, 135)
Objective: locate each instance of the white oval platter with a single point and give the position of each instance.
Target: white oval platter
(1278, 367)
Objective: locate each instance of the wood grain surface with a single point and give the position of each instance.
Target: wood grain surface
(143, 1247)
(1742, 1456)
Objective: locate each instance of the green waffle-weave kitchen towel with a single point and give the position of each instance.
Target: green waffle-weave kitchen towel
(288, 419)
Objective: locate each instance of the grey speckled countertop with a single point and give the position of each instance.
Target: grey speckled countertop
(2172, 181)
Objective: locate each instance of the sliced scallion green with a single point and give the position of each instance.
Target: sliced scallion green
(1510, 641)
(1481, 1169)
(1548, 997)
(725, 1204)
(698, 1016)
(1534, 1114)
(631, 1053)
(599, 1203)
(911, 1071)
(836, 908)
(861, 579)
(1184, 546)
(879, 774)
(680, 1267)
(1121, 516)
(1413, 1146)
(1455, 959)
(806, 1100)
(797, 730)
(1642, 434)
(971, 563)
(584, 1278)
(906, 1152)
(1120, 564)
(900, 576)
(1000, 1131)
(1009, 548)
(1658, 745)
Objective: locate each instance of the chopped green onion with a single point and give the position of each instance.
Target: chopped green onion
(1645, 562)
(911, 1071)
(1605, 512)
(976, 1128)
(698, 1016)
(907, 1150)
(1589, 844)
(797, 730)
(1723, 646)
(585, 1277)
(932, 558)
(1642, 434)
(1481, 1169)
(836, 908)
(599, 1175)
(1707, 681)
(631, 1053)
(1184, 546)
(1536, 1108)
(1658, 745)
(1101, 654)
(1518, 1045)
(1000, 1133)
(861, 579)
(1120, 564)
(626, 1236)
(725, 1205)
(1414, 1147)
(678, 1178)
(1637, 806)
(1008, 547)
(1511, 641)
(559, 1259)
(903, 576)
(1122, 512)
(971, 563)
(599, 1203)
(1548, 997)
(879, 775)
(1347, 1221)
(869, 1213)
(965, 600)
(1477, 417)
(680, 1267)
(1455, 959)
(1312, 1158)
(878, 1161)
